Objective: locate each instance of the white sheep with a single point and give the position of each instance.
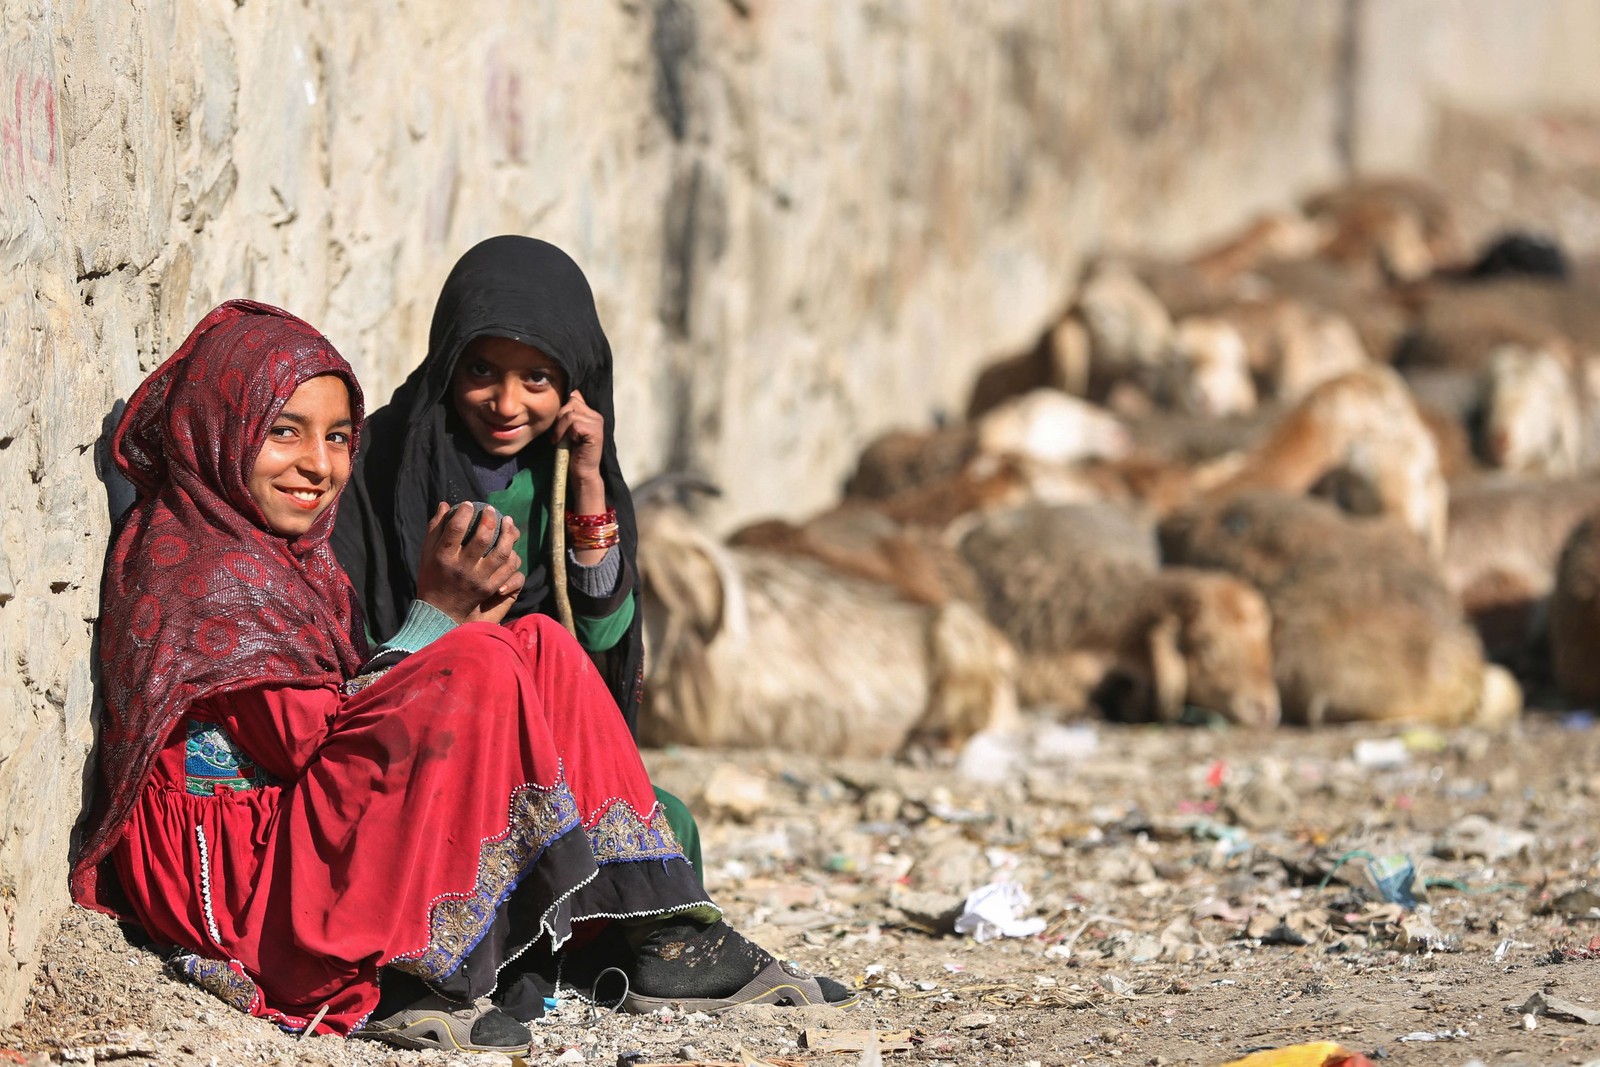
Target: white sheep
(751, 648)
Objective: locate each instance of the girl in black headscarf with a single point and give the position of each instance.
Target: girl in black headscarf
(517, 360)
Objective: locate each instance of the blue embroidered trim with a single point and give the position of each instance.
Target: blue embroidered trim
(621, 836)
(211, 761)
(458, 921)
(224, 980)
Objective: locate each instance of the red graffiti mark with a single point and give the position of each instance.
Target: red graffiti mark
(45, 93)
(504, 100)
(28, 131)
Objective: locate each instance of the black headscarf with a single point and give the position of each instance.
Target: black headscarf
(414, 454)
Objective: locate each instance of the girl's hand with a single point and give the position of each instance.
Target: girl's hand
(583, 426)
(470, 582)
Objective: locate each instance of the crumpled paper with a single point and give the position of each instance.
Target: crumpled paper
(996, 911)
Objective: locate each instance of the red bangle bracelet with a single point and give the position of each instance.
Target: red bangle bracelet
(583, 522)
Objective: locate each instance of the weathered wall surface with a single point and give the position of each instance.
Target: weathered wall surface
(803, 223)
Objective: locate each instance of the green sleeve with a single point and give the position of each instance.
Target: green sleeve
(524, 502)
(598, 635)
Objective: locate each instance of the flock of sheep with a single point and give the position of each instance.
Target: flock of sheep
(1333, 469)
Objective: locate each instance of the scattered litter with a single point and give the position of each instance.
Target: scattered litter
(995, 911)
(1390, 878)
(1281, 933)
(1424, 739)
(1058, 743)
(1580, 903)
(1230, 841)
(935, 912)
(1119, 986)
(1386, 754)
(1557, 1008)
(1314, 1054)
(821, 1039)
(1419, 934)
(1574, 953)
(1435, 1035)
(991, 757)
(871, 1055)
(1221, 909)
(1474, 836)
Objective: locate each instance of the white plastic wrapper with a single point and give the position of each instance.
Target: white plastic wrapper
(996, 911)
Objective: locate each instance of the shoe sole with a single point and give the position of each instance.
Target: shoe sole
(439, 1037)
(773, 984)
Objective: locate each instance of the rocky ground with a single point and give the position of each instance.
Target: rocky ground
(1193, 894)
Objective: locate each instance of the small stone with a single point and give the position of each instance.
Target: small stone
(689, 1053)
(975, 1020)
(736, 793)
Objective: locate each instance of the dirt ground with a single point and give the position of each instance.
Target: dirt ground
(1181, 878)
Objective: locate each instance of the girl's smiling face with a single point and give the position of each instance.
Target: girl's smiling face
(305, 460)
(507, 393)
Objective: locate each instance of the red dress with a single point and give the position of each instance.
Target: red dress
(481, 794)
(488, 767)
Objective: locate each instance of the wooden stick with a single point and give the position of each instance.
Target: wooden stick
(558, 536)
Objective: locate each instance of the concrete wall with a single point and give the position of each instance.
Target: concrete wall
(804, 222)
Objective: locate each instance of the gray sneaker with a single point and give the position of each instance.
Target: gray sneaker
(436, 1023)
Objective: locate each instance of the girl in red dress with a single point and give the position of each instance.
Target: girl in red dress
(303, 821)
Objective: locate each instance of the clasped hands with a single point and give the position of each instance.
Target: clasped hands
(465, 577)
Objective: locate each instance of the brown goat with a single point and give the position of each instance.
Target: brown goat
(1575, 615)
(1505, 543)
(1364, 627)
(1096, 623)
(1364, 423)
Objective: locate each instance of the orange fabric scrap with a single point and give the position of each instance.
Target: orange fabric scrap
(1315, 1054)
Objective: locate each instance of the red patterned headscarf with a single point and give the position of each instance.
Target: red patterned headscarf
(199, 596)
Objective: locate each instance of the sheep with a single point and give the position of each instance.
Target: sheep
(1531, 420)
(1391, 228)
(1501, 555)
(1095, 621)
(1274, 236)
(1460, 325)
(1058, 360)
(1364, 627)
(1575, 614)
(1128, 330)
(901, 460)
(1024, 449)
(1208, 368)
(1364, 422)
(1314, 346)
(1048, 426)
(751, 648)
(858, 539)
(1380, 318)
